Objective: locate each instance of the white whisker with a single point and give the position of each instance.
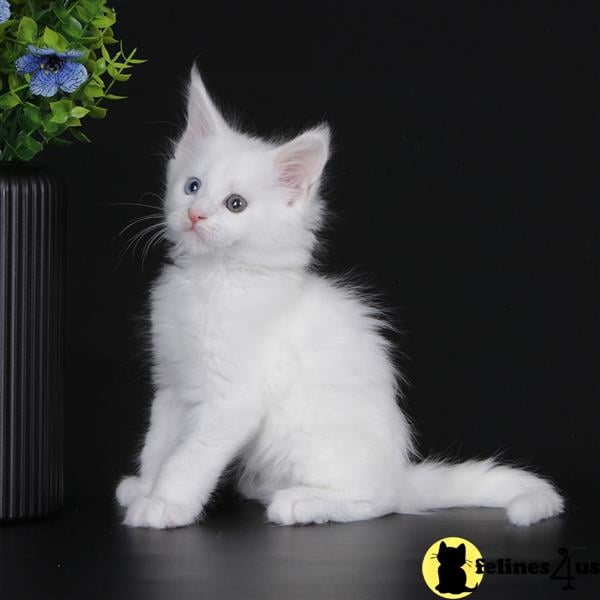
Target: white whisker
(138, 220)
(136, 238)
(132, 204)
(152, 195)
(155, 238)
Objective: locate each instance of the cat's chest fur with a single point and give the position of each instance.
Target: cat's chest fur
(210, 323)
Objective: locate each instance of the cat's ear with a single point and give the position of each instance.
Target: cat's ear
(442, 546)
(462, 550)
(301, 161)
(203, 117)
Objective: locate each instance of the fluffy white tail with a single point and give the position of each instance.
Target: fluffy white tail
(526, 497)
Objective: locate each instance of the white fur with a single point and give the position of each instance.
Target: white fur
(259, 358)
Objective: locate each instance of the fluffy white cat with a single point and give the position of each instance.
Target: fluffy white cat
(257, 357)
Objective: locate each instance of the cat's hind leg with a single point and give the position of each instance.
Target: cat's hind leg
(301, 505)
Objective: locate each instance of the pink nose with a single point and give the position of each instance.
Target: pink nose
(194, 217)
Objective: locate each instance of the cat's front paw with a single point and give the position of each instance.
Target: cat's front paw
(156, 513)
(131, 488)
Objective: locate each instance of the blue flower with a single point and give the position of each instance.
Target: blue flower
(52, 70)
(4, 11)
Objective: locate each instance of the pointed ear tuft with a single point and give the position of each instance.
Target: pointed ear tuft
(203, 117)
(301, 161)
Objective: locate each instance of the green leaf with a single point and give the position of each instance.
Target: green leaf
(79, 111)
(9, 101)
(62, 14)
(32, 144)
(13, 82)
(98, 80)
(27, 147)
(107, 20)
(63, 106)
(116, 74)
(59, 142)
(73, 28)
(90, 40)
(121, 77)
(79, 135)
(24, 153)
(91, 90)
(33, 116)
(59, 119)
(27, 30)
(52, 128)
(4, 29)
(50, 37)
(91, 6)
(87, 10)
(114, 97)
(6, 58)
(61, 111)
(100, 66)
(97, 112)
(95, 37)
(134, 61)
(105, 53)
(54, 40)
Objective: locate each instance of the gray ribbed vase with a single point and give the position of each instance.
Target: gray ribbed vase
(32, 274)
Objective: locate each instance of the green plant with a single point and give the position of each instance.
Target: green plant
(59, 61)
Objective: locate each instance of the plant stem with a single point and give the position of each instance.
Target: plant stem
(120, 70)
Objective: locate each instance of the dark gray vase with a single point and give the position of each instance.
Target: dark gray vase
(32, 274)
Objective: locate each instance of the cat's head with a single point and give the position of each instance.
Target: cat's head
(232, 195)
(450, 556)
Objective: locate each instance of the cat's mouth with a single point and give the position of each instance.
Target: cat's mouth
(195, 237)
(193, 231)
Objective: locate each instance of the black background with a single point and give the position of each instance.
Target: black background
(464, 186)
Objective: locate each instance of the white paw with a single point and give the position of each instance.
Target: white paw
(531, 507)
(291, 507)
(155, 513)
(281, 509)
(131, 488)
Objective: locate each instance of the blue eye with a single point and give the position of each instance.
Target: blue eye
(192, 185)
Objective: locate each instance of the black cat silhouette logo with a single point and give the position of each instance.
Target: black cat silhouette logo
(449, 568)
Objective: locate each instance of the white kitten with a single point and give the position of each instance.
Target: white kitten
(257, 357)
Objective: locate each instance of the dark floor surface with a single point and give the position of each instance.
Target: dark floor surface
(84, 553)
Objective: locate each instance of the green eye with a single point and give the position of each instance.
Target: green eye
(235, 203)
(192, 185)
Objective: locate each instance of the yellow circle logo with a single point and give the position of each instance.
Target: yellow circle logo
(450, 568)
